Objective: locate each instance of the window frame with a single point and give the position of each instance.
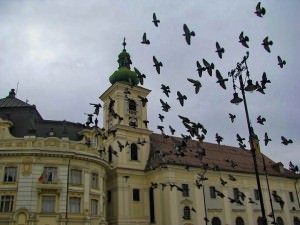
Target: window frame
(185, 190)
(49, 170)
(212, 192)
(136, 195)
(291, 196)
(94, 182)
(53, 208)
(7, 200)
(186, 213)
(73, 180)
(7, 174)
(134, 156)
(94, 203)
(71, 207)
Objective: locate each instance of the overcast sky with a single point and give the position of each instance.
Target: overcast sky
(60, 54)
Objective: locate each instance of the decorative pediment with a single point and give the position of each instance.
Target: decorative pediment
(186, 202)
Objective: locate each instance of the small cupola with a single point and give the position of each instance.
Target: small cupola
(124, 74)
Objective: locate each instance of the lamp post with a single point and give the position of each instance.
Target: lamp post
(237, 73)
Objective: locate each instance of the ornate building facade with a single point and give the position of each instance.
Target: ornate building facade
(64, 173)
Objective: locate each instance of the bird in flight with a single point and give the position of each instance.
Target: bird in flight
(260, 11)
(264, 80)
(261, 120)
(221, 80)
(239, 138)
(293, 168)
(243, 40)
(200, 69)
(97, 107)
(208, 67)
(219, 139)
(188, 34)
(267, 139)
(161, 117)
(140, 75)
(220, 50)
(286, 141)
(166, 89)
(196, 83)
(266, 43)
(157, 64)
(155, 20)
(281, 62)
(181, 98)
(172, 130)
(145, 40)
(165, 106)
(232, 117)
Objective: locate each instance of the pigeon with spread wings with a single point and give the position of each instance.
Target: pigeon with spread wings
(188, 34)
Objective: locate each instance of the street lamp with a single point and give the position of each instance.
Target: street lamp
(237, 73)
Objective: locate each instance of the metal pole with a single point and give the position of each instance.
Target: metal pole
(205, 213)
(67, 196)
(251, 133)
(267, 179)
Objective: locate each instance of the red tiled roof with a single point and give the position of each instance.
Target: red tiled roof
(216, 156)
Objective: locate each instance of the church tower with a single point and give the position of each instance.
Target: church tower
(125, 117)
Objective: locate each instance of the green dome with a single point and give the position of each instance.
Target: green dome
(124, 74)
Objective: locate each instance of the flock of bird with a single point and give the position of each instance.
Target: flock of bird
(195, 129)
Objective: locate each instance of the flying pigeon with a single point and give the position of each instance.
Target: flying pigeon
(266, 43)
(157, 64)
(145, 40)
(243, 40)
(188, 34)
(155, 20)
(219, 50)
(260, 11)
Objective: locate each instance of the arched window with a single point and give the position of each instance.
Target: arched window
(186, 213)
(216, 221)
(133, 152)
(132, 106)
(279, 221)
(239, 221)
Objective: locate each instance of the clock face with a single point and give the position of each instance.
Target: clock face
(132, 122)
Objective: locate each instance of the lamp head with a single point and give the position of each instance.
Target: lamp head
(250, 86)
(236, 99)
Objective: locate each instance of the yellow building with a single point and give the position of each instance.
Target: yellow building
(64, 173)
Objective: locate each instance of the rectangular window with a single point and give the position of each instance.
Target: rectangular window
(136, 195)
(48, 204)
(74, 204)
(235, 193)
(185, 190)
(94, 207)
(75, 177)
(291, 194)
(108, 196)
(94, 180)
(10, 174)
(49, 175)
(7, 202)
(212, 191)
(256, 194)
(151, 201)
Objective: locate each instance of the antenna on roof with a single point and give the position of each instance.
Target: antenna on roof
(17, 88)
